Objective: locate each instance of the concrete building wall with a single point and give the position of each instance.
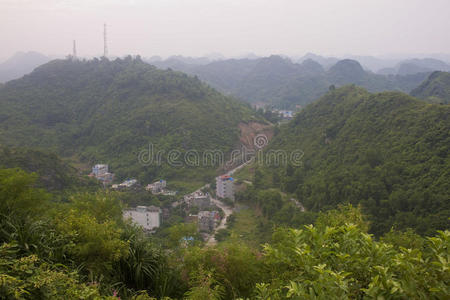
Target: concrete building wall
(99, 170)
(148, 219)
(224, 187)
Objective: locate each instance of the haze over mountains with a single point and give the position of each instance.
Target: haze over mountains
(306, 155)
(279, 82)
(20, 64)
(276, 81)
(386, 153)
(110, 110)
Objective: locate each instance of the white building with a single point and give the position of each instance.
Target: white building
(128, 183)
(149, 217)
(99, 170)
(287, 114)
(224, 187)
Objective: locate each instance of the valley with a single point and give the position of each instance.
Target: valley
(371, 173)
(224, 150)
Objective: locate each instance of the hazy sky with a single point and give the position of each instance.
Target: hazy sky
(231, 27)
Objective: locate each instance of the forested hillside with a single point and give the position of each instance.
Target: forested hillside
(388, 152)
(109, 111)
(436, 89)
(53, 174)
(280, 82)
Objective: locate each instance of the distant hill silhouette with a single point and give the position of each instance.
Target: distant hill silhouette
(436, 89)
(20, 64)
(279, 82)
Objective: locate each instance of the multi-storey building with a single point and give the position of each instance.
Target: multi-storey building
(149, 217)
(224, 187)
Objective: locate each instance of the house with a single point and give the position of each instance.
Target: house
(191, 219)
(157, 187)
(284, 114)
(169, 193)
(100, 171)
(165, 214)
(225, 187)
(107, 178)
(207, 220)
(198, 199)
(149, 217)
(128, 183)
(287, 114)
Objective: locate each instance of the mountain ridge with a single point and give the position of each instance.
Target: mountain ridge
(435, 89)
(279, 82)
(109, 111)
(386, 151)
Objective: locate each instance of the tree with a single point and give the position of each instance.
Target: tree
(97, 245)
(183, 234)
(18, 196)
(344, 262)
(345, 214)
(30, 278)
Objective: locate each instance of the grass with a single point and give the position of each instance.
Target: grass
(245, 173)
(249, 228)
(186, 186)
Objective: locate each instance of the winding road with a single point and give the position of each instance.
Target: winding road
(223, 223)
(227, 210)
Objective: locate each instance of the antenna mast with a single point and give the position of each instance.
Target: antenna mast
(105, 44)
(74, 55)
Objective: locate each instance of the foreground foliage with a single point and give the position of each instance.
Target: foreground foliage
(343, 262)
(83, 250)
(75, 250)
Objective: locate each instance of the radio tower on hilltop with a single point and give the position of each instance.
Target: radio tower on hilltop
(74, 54)
(105, 44)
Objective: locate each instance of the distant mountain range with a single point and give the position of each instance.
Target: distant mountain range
(414, 66)
(279, 82)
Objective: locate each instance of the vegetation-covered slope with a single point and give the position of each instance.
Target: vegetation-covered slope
(436, 89)
(109, 111)
(280, 82)
(54, 174)
(82, 249)
(387, 151)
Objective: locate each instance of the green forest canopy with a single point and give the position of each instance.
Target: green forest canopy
(102, 111)
(436, 89)
(388, 152)
(279, 82)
